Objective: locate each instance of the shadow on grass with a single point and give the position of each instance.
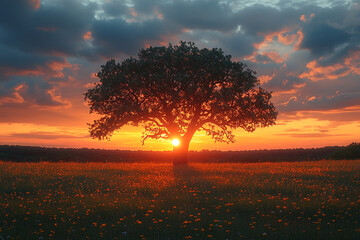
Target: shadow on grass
(184, 171)
(190, 176)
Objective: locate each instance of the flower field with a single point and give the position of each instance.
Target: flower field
(301, 200)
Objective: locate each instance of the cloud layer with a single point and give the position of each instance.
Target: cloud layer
(306, 53)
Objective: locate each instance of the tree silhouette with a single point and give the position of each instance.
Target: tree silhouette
(175, 91)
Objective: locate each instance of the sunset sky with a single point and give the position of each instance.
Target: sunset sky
(306, 52)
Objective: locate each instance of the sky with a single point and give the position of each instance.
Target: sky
(306, 52)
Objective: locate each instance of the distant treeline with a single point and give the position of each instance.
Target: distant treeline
(38, 154)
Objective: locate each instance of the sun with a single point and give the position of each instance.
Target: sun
(175, 142)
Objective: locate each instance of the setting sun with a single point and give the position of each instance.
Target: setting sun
(175, 142)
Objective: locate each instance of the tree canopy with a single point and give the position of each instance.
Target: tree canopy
(175, 91)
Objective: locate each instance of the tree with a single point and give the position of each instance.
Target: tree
(175, 91)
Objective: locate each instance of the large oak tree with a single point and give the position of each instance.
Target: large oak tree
(175, 91)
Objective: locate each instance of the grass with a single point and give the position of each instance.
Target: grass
(302, 200)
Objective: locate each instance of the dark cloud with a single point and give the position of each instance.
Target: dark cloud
(282, 82)
(116, 36)
(314, 96)
(53, 28)
(37, 42)
(332, 33)
(264, 19)
(239, 44)
(235, 44)
(115, 8)
(16, 62)
(297, 61)
(147, 7)
(30, 92)
(322, 39)
(321, 103)
(12, 13)
(201, 14)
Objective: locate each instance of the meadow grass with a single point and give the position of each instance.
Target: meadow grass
(300, 200)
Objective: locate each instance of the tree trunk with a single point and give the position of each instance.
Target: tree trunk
(180, 152)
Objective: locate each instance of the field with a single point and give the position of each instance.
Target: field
(301, 200)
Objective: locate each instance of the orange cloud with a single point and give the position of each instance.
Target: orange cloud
(296, 89)
(282, 36)
(51, 69)
(274, 56)
(317, 73)
(299, 85)
(158, 14)
(87, 36)
(22, 72)
(21, 94)
(312, 98)
(133, 12)
(58, 67)
(300, 37)
(265, 78)
(267, 38)
(283, 92)
(287, 39)
(16, 97)
(303, 18)
(353, 62)
(56, 97)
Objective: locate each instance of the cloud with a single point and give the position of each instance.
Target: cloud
(265, 78)
(115, 8)
(339, 117)
(16, 62)
(45, 135)
(323, 39)
(201, 14)
(310, 135)
(54, 28)
(11, 95)
(259, 19)
(310, 99)
(238, 44)
(274, 56)
(118, 37)
(332, 33)
(31, 92)
(316, 72)
(146, 7)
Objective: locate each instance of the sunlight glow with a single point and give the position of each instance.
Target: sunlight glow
(175, 142)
